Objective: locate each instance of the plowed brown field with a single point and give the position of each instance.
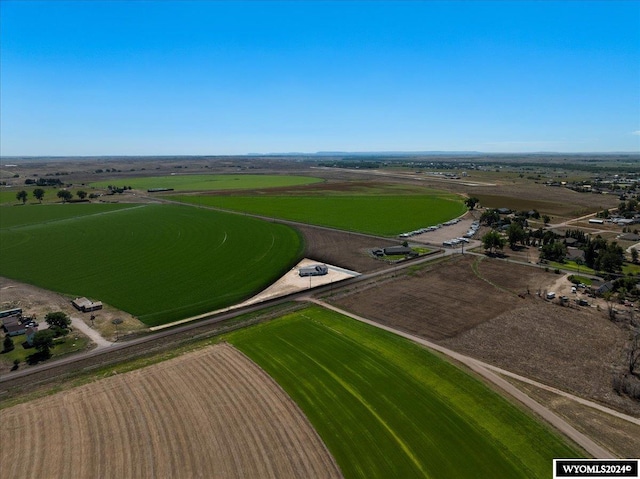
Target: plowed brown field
(209, 414)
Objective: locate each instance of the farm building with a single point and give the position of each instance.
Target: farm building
(629, 237)
(314, 270)
(397, 250)
(11, 312)
(85, 305)
(15, 329)
(574, 254)
(30, 333)
(10, 321)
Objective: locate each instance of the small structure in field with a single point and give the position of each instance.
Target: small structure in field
(397, 250)
(85, 305)
(314, 270)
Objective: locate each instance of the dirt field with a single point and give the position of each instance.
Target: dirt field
(573, 349)
(225, 418)
(347, 250)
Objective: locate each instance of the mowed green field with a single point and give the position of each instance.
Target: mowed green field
(184, 182)
(385, 215)
(388, 408)
(158, 262)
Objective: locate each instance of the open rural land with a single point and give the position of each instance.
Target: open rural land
(523, 267)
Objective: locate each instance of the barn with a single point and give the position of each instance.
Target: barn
(397, 250)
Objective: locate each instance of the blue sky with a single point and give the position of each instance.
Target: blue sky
(218, 77)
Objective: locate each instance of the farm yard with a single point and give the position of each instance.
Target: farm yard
(157, 262)
(388, 408)
(226, 418)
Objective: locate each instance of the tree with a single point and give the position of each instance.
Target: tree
(8, 344)
(633, 356)
(610, 258)
(516, 234)
(492, 241)
(38, 194)
(43, 342)
(611, 310)
(64, 195)
(553, 251)
(490, 217)
(634, 255)
(58, 319)
(22, 196)
(81, 194)
(546, 219)
(471, 202)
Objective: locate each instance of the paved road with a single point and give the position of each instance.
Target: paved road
(490, 373)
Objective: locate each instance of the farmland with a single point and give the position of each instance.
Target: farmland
(210, 182)
(158, 262)
(226, 418)
(388, 408)
(385, 215)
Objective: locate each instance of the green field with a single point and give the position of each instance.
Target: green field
(388, 408)
(385, 215)
(158, 262)
(209, 182)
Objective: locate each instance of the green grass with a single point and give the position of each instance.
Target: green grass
(158, 262)
(386, 215)
(572, 266)
(630, 268)
(63, 345)
(582, 279)
(386, 407)
(208, 182)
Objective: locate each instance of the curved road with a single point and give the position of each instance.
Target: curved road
(490, 373)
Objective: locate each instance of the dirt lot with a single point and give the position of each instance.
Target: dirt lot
(37, 301)
(481, 315)
(225, 419)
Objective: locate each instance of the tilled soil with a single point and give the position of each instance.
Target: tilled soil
(347, 250)
(211, 413)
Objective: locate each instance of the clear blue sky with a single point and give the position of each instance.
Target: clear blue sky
(218, 77)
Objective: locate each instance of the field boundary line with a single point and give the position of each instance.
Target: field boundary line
(476, 271)
(588, 444)
(73, 218)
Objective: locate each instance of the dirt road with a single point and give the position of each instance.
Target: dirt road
(490, 373)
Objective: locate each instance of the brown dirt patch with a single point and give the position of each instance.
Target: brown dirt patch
(226, 418)
(435, 301)
(347, 250)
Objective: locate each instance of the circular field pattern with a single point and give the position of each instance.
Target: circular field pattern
(226, 418)
(159, 262)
